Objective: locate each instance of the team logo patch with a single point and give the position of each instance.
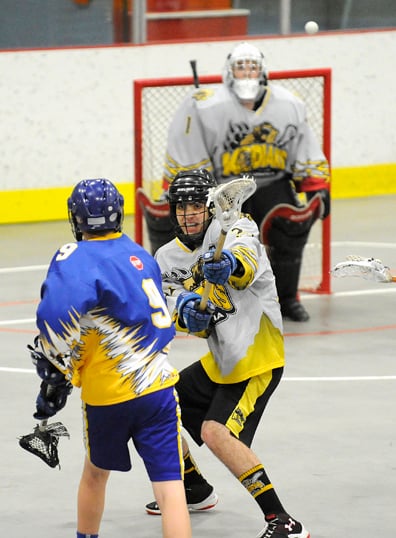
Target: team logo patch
(136, 262)
(238, 416)
(203, 94)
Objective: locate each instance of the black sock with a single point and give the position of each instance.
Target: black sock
(259, 486)
(192, 475)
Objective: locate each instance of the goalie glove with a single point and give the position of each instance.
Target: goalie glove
(44, 367)
(219, 271)
(195, 320)
(51, 399)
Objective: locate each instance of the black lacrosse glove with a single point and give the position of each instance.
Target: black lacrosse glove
(194, 319)
(219, 271)
(325, 195)
(51, 399)
(45, 369)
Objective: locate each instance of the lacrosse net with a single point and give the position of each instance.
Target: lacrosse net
(227, 200)
(43, 442)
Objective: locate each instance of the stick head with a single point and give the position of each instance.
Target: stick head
(43, 442)
(367, 268)
(228, 199)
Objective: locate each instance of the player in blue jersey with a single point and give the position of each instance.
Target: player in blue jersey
(104, 326)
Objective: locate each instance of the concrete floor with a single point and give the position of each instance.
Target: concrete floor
(327, 439)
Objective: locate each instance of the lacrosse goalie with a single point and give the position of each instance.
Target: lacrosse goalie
(223, 395)
(104, 326)
(248, 125)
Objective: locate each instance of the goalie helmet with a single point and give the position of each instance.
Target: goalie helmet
(246, 56)
(191, 186)
(95, 205)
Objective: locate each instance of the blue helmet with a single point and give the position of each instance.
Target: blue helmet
(95, 205)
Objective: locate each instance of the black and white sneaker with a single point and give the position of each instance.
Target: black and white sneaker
(200, 498)
(283, 526)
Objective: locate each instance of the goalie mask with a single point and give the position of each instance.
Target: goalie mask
(95, 205)
(189, 187)
(249, 62)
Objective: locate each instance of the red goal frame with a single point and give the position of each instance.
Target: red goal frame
(324, 74)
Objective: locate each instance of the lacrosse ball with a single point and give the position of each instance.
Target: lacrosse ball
(311, 27)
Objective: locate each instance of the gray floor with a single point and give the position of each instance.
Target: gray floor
(327, 439)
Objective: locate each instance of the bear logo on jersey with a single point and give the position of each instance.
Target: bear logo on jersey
(260, 149)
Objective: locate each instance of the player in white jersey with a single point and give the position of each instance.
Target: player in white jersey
(105, 327)
(224, 394)
(248, 125)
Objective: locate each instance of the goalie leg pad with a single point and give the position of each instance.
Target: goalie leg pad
(285, 231)
(287, 236)
(294, 222)
(160, 231)
(285, 245)
(157, 217)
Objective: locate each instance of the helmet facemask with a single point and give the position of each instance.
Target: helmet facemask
(191, 188)
(249, 61)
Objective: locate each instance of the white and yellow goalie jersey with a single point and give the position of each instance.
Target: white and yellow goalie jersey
(246, 336)
(212, 129)
(103, 316)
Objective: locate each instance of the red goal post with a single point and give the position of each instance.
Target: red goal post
(155, 102)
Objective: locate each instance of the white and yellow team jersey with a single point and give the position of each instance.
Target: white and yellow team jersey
(246, 338)
(103, 315)
(212, 129)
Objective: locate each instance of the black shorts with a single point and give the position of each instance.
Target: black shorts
(239, 406)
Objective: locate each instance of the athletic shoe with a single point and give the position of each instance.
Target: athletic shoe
(294, 311)
(283, 526)
(200, 498)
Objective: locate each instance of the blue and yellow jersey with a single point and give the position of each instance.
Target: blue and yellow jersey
(104, 321)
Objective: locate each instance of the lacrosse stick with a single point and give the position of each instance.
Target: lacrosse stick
(43, 441)
(367, 268)
(227, 199)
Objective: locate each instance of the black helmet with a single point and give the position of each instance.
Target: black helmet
(190, 186)
(95, 205)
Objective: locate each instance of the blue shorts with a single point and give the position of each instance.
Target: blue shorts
(152, 422)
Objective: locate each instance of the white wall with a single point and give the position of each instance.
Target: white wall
(67, 114)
